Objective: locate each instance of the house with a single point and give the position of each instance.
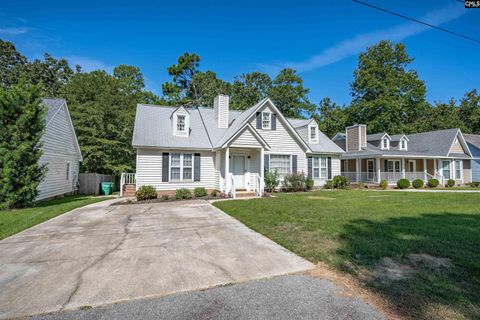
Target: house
(60, 152)
(473, 141)
(226, 150)
(442, 155)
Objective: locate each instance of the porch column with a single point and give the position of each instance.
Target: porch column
(377, 166)
(357, 170)
(403, 168)
(435, 167)
(262, 166)
(425, 170)
(227, 170)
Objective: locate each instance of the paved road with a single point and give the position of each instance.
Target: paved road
(284, 297)
(101, 254)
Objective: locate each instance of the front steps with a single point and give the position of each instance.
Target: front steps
(128, 191)
(245, 194)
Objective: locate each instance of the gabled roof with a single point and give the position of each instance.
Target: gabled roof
(377, 136)
(473, 139)
(339, 136)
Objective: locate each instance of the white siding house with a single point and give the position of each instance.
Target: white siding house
(61, 152)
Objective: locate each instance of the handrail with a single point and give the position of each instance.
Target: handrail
(258, 184)
(127, 178)
(232, 185)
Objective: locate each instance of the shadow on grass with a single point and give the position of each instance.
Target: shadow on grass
(64, 200)
(427, 292)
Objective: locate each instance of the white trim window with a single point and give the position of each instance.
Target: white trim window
(281, 163)
(181, 123)
(266, 120)
(313, 136)
(403, 144)
(385, 144)
(181, 167)
(319, 166)
(446, 172)
(458, 169)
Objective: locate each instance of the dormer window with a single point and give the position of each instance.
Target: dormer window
(385, 144)
(181, 123)
(312, 134)
(403, 144)
(266, 120)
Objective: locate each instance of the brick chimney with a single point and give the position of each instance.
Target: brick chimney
(356, 136)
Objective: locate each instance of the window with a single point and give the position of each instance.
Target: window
(403, 144)
(181, 123)
(280, 163)
(266, 120)
(446, 169)
(319, 166)
(458, 169)
(385, 143)
(181, 166)
(68, 171)
(313, 133)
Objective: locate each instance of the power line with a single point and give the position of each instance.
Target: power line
(418, 21)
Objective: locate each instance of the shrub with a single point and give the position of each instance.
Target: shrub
(164, 197)
(294, 182)
(328, 184)
(271, 180)
(433, 183)
(214, 193)
(417, 183)
(403, 183)
(200, 192)
(450, 183)
(361, 185)
(183, 193)
(340, 182)
(474, 184)
(383, 184)
(146, 192)
(309, 183)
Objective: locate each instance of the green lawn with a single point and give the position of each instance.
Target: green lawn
(14, 221)
(357, 231)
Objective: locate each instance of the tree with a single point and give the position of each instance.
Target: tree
(442, 116)
(249, 88)
(387, 96)
(331, 117)
(130, 79)
(22, 125)
(11, 64)
(470, 111)
(181, 90)
(208, 86)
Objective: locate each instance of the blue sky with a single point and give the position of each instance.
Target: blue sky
(319, 38)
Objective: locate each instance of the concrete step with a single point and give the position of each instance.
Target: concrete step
(245, 194)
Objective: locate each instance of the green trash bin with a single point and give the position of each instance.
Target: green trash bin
(107, 188)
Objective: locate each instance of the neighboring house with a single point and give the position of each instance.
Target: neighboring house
(442, 154)
(61, 152)
(227, 150)
(473, 141)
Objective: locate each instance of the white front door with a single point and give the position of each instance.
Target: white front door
(238, 170)
(370, 170)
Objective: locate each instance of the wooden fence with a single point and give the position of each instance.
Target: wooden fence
(90, 182)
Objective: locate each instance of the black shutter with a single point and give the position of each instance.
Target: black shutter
(274, 121)
(310, 165)
(259, 120)
(165, 165)
(294, 163)
(329, 167)
(196, 169)
(386, 166)
(266, 163)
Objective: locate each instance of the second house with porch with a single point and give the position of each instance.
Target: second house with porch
(227, 150)
(442, 155)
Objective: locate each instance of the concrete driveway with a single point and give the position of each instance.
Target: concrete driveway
(106, 253)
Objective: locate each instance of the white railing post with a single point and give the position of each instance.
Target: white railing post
(122, 182)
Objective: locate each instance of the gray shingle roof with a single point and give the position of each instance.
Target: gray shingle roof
(473, 139)
(52, 104)
(375, 136)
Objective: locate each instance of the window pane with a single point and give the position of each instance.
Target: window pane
(316, 173)
(265, 120)
(323, 162)
(313, 133)
(323, 173)
(175, 174)
(181, 123)
(458, 169)
(281, 163)
(175, 159)
(187, 173)
(316, 162)
(187, 160)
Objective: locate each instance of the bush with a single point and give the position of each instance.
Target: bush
(403, 183)
(294, 182)
(200, 192)
(328, 184)
(183, 193)
(383, 184)
(340, 182)
(146, 193)
(309, 183)
(164, 197)
(474, 184)
(361, 185)
(450, 183)
(417, 183)
(433, 183)
(214, 193)
(271, 180)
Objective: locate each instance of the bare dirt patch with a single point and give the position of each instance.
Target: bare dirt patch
(431, 261)
(320, 198)
(390, 270)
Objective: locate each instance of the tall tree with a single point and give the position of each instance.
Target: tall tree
(181, 89)
(22, 125)
(470, 111)
(249, 88)
(331, 117)
(11, 64)
(387, 96)
(441, 116)
(208, 86)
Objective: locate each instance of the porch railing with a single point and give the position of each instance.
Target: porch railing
(257, 184)
(126, 179)
(231, 188)
(391, 177)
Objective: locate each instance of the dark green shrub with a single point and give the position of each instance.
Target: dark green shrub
(361, 185)
(383, 184)
(294, 182)
(183, 193)
(200, 192)
(309, 183)
(417, 183)
(450, 183)
(433, 183)
(403, 183)
(146, 193)
(214, 193)
(340, 182)
(474, 184)
(328, 184)
(164, 197)
(271, 180)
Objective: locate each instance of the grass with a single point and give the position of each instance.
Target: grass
(16, 220)
(354, 231)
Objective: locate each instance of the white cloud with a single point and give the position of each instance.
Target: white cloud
(13, 31)
(355, 45)
(89, 64)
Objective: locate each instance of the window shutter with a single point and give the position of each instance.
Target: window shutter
(165, 165)
(329, 168)
(274, 121)
(310, 165)
(259, 120)
(266, 162)
(386, 166)
(196, 169)
(294, 163)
